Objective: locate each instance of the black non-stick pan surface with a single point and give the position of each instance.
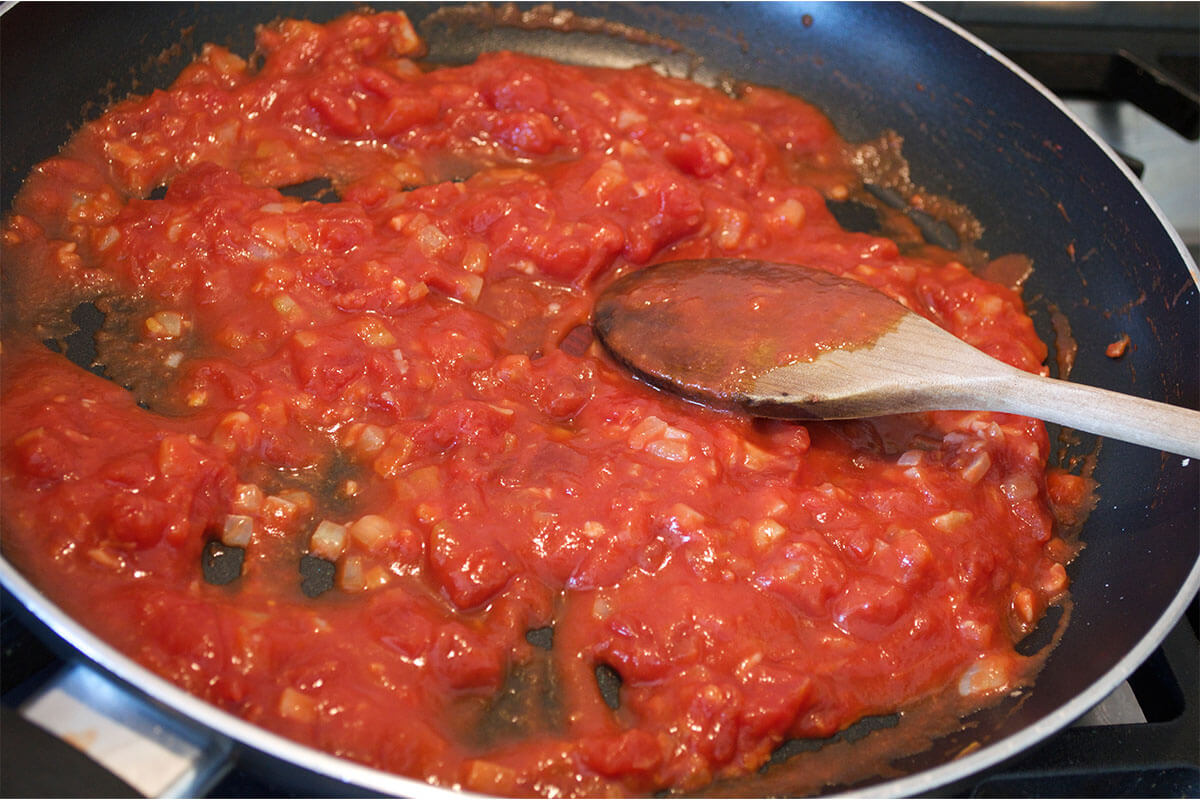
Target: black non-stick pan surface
(974, 130)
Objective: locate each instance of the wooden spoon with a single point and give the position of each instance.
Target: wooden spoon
(793, 342)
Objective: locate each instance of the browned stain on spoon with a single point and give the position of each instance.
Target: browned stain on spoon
(709, 329)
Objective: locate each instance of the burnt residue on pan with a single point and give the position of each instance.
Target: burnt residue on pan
(544, 17)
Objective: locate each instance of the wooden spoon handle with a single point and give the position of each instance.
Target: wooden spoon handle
(1001, 387)
(917, 366)
(1099, 411)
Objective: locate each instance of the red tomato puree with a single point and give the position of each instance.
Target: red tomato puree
(438, 510)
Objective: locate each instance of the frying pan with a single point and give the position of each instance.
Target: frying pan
(975, 129)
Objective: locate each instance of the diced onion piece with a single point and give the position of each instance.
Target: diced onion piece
(299, 236)
(402, 68)
(271, 237)
(649, 428)
(790, 212)
(979, 466)
(476, 258)
(601, 606)
(602, 183)
(427, 513)
(1055, 580)
(432, 241)
(107, 237)
(1018, 487)
(373, 332)
(766, 533)
(976, 632)
(247, 498)
(376, 577)
(197, 397)
(951, 520)
(754, 457)
(652, 429)
(1024, 604)
(352, 577)
(294, 704)
(165, 325)
(629, 118)
(328, 540)
(744, 668)
(774, 504)
(731, 226)
(425, 480)
(372, 531)
(593, 529)
(272, 147)
(670, 450)
(988, 676)
(686, 517)
(30, 436)
(470, 286)
(122, 153)
(628, 149)
(394, 456)
(990, 305)
(233, 337)
(67, 257)
(488, 777)
(722, 154)
(107, 558)
(235, 431)
(301, 499)
(401, 361)
(367, 440)
(914, 551)
(237, 530)
(279, 509)
(286, 306)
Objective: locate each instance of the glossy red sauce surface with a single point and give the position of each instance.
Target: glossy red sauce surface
(397, 383)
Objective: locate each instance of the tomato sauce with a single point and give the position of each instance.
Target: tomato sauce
(447, 513)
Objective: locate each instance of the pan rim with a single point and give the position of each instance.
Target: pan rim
(179, 702)
(128, 671)
(198, 711)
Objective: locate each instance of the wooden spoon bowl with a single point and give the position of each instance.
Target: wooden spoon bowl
(793, 342)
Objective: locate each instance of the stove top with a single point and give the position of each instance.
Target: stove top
(1128, 71)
